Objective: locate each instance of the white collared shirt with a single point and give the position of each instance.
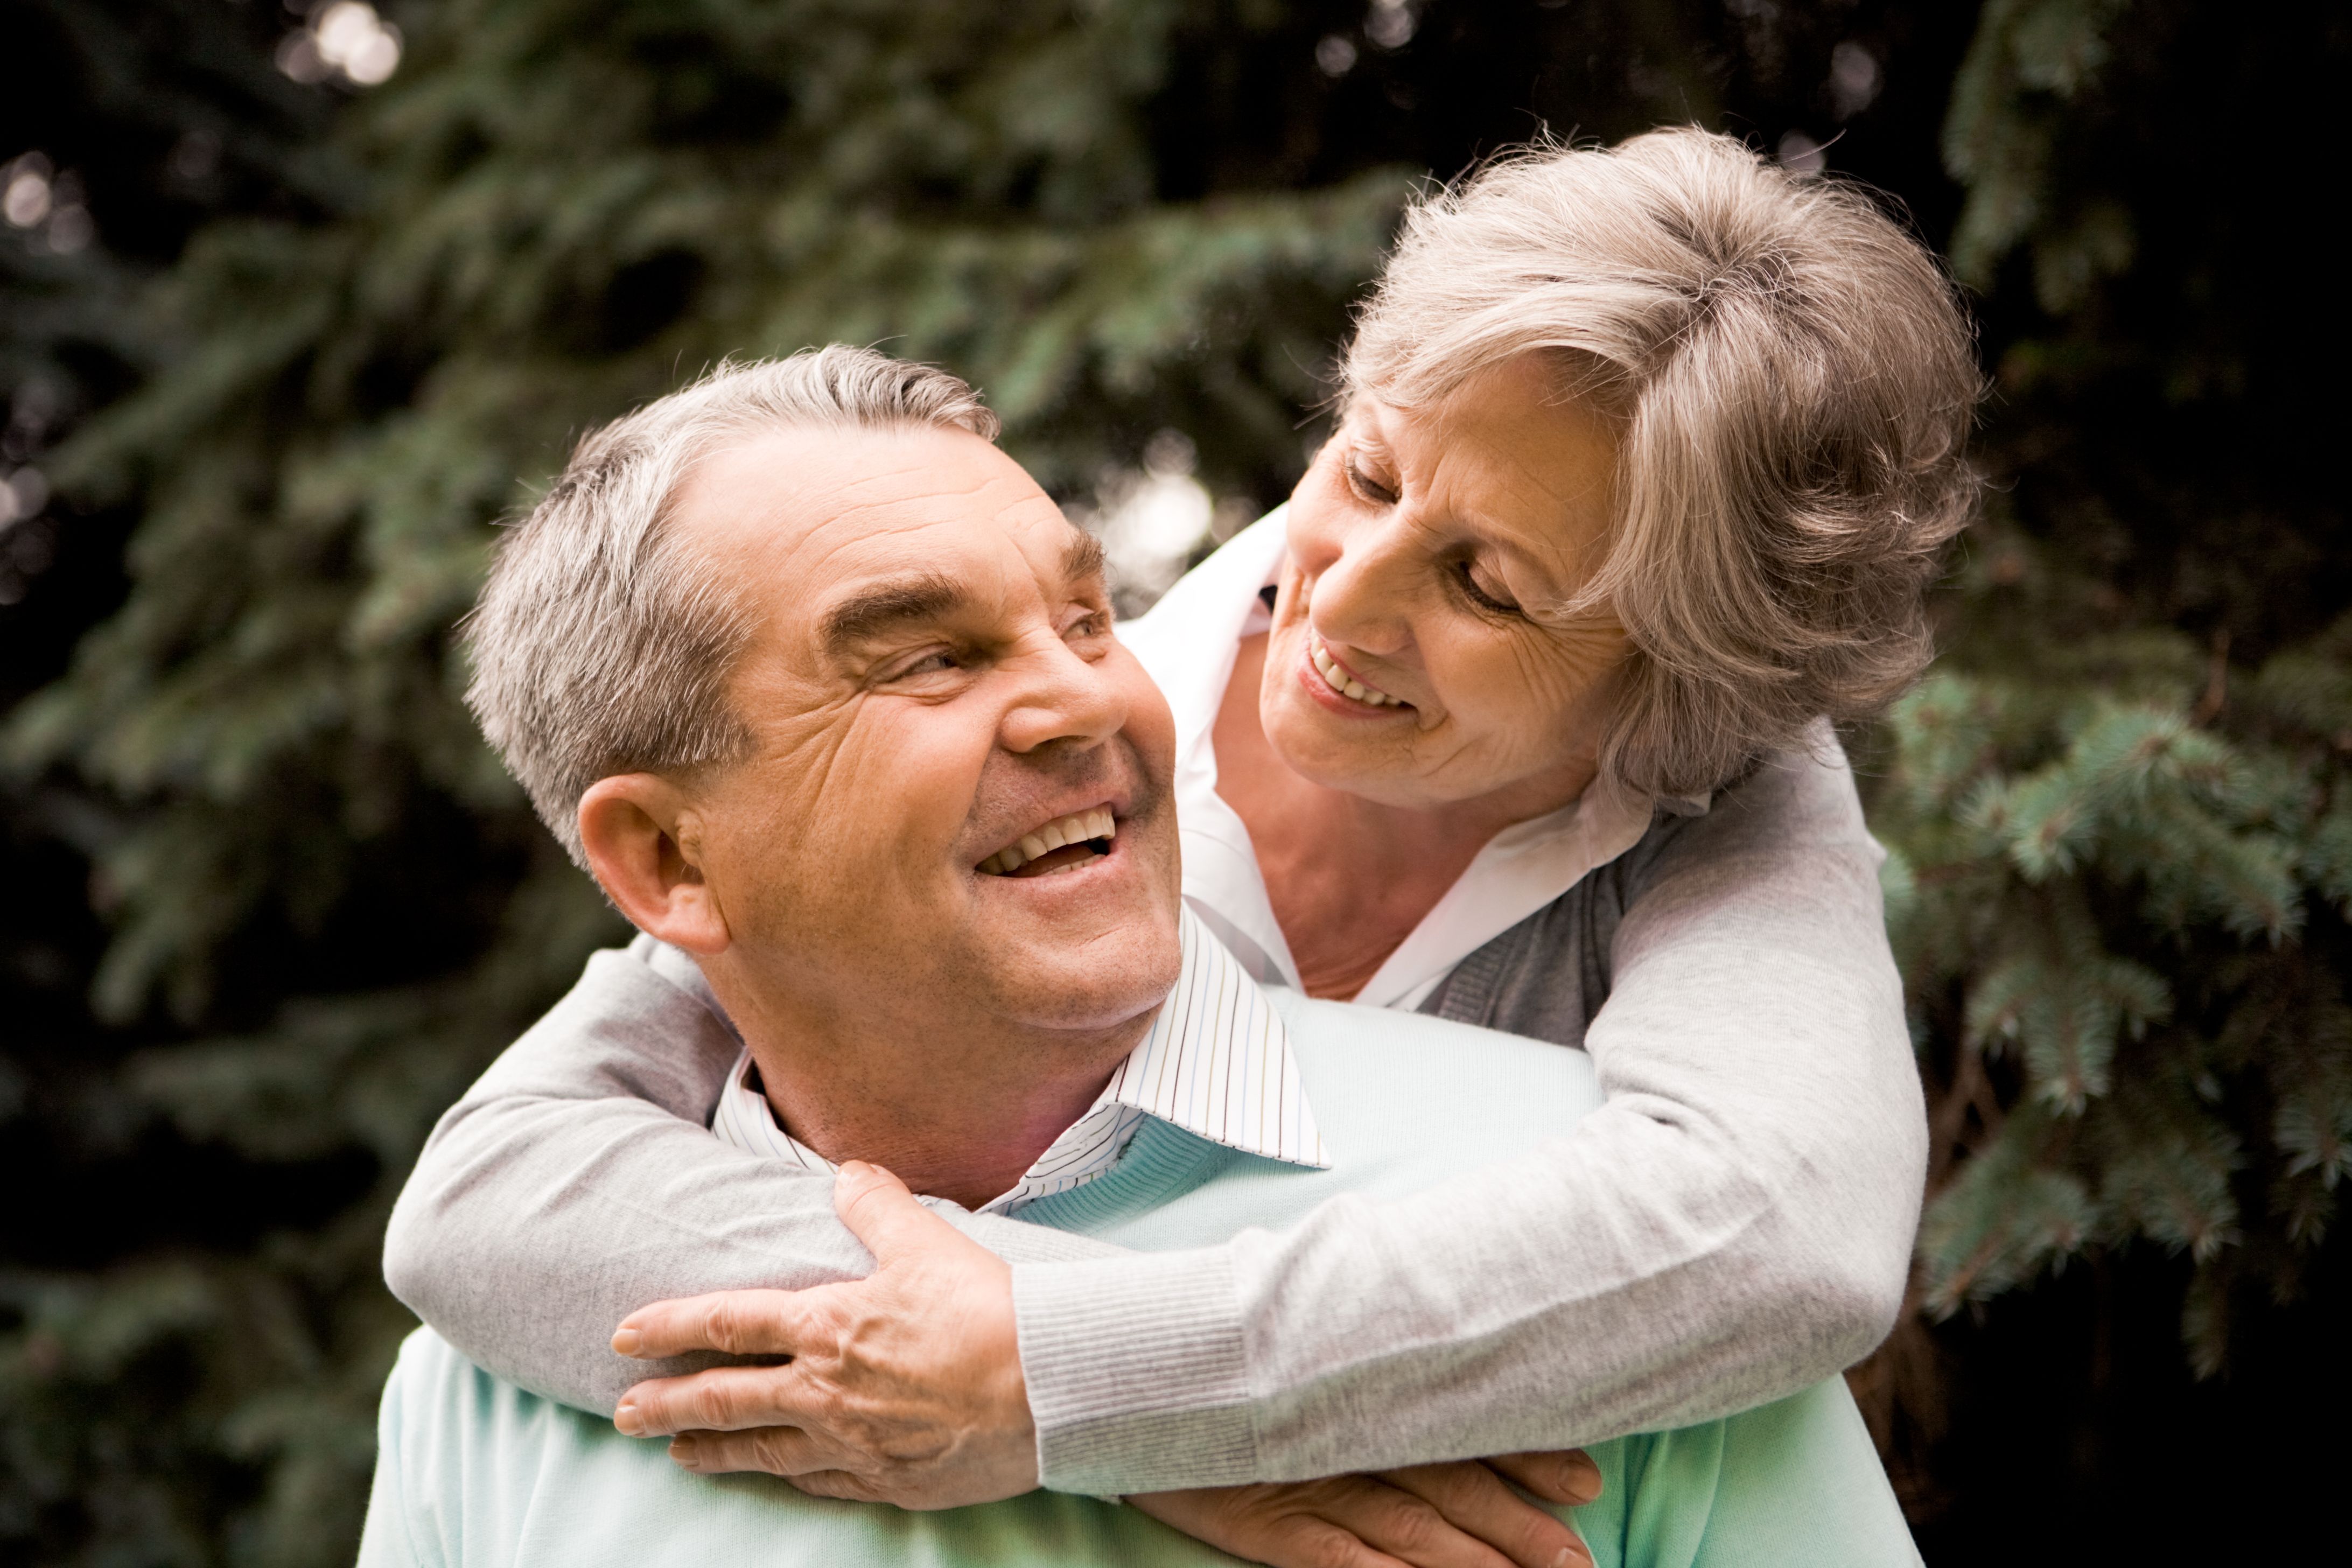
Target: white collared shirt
(1188, 642)
(1217, 1063)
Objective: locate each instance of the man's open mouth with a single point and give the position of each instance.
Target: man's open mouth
(1064, 843)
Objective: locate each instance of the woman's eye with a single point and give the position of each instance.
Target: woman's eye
(1466, 575)
(1364, 485)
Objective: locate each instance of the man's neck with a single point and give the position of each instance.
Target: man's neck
(963, 1121)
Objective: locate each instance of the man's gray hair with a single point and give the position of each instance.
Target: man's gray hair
(599, 646)
(1792, 382)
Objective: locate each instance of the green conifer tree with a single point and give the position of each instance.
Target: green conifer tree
(2118, 810)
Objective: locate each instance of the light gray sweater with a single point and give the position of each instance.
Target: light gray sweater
(1733, 1225)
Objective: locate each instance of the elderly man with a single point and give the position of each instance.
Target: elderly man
(822, 688)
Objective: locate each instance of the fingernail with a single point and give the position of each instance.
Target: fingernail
(628, 1420)
(626, 1342)
(1572, 1557)
(685, 1451)
(1579, 1477)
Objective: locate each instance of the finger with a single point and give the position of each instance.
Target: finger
(838, 1484)
(1565, 1476)
(724, 1399)
(1320, 1543)
(778, 1450)
(1279, 1525)
(880, 1212)
(739, 1322)
(1408, 1527)
(1474, 1500)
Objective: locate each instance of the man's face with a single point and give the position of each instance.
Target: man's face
(933, 686)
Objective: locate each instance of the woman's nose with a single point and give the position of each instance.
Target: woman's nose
(1354, 583)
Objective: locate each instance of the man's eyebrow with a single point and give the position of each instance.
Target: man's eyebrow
(1083, 557)
(920, 596)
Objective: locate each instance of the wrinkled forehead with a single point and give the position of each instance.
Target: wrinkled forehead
(802, 520)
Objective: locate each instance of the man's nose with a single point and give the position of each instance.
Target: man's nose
(1062, 696)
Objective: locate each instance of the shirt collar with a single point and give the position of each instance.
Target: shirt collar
(1216, 1063)
(1188, 642)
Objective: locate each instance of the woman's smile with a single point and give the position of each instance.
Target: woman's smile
(1359, 697)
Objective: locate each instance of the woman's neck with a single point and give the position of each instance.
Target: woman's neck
(1349, 878)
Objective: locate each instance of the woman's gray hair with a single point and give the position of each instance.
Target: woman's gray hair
(598, 646)
(1793, 381)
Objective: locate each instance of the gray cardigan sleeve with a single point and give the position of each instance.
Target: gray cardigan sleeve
(1733, 1225)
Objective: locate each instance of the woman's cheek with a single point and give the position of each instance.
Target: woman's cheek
(1543, 692)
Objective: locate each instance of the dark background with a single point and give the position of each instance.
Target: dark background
(268, 905)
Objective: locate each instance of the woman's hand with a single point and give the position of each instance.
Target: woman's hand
(904, 1387)
(1429, 1516)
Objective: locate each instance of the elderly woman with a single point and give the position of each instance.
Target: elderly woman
(1519, 712)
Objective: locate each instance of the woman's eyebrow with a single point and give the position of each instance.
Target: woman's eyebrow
(888, 605)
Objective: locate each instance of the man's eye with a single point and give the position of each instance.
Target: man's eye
(1466, 576)
(930, 664)
(1093, 624)
(1364, 485)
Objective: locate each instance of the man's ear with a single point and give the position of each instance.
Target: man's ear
(641, 847)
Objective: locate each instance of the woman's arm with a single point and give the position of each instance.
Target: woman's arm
(1733, 1225)
(578, 1180)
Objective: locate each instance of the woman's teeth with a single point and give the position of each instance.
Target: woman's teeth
(1078, 827)
(1347, 684)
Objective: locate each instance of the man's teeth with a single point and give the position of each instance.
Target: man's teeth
(1341, 681)
(1076, 828)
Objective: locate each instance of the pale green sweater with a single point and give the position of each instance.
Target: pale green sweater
(474, 1471)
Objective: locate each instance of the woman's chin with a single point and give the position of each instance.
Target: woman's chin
(1339, 754)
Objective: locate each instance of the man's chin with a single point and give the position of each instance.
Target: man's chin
(1092, 946)
(1085, 980)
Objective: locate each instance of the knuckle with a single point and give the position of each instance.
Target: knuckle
(771, 1450)
(1331, 1547)
(716, 1452)
(1455, 1484)
(1415, 1526)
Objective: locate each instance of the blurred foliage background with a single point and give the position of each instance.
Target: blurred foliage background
(294, 303)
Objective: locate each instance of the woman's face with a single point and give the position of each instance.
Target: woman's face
(1420, 656)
